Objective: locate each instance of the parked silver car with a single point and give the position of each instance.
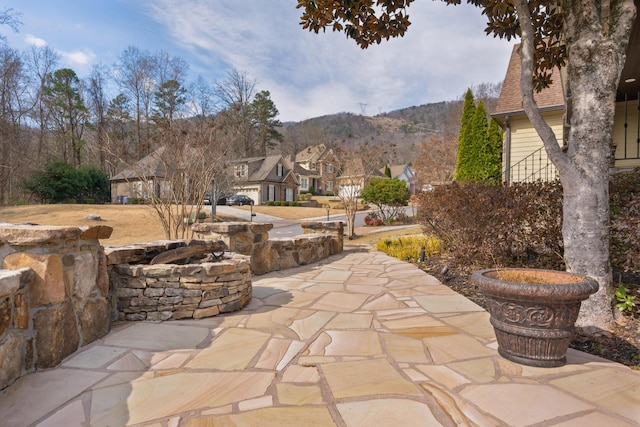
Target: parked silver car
(239, 200)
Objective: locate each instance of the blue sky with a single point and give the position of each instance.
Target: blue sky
(444, 51)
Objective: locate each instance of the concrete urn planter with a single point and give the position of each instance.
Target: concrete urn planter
(533, 312)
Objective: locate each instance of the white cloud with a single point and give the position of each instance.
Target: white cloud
(79, 58)
(444, 52)
(35, 41)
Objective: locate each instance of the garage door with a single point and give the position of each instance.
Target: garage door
(252, 192)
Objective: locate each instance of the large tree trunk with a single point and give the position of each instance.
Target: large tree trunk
(596, 49)
(585, 231)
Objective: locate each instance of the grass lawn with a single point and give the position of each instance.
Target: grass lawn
(140, 223)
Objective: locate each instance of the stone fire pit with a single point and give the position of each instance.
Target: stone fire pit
(175, 291)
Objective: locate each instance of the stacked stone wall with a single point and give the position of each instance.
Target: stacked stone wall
(54, 295)
(321, 240)
(171, 291)
(60, 289)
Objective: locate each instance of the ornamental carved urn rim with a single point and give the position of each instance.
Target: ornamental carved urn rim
(552, 285)
(533, 311)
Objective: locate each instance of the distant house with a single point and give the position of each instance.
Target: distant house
(404, 173)
(354, 178)
(524, 156)
(146, 178)
(265, 179)
(317, 168)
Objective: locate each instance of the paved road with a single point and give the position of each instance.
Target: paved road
(290, 228)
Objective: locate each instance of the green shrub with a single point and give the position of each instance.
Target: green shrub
(625, 301)
(388, 195)
(59, 181)
(409, 247)
(270, 203)
(17, 202)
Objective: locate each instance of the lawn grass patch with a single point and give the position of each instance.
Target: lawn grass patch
(409, 247)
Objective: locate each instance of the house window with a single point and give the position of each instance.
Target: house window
(313, 166)
(271, 193)
(165, 189)
(138, 189)
(328, 186)
(280, 170)
(304, 184)
(329, 169)
(288, 194)
(241, 171)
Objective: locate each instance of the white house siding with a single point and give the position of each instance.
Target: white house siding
(525, 141)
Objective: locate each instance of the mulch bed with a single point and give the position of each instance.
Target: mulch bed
(621, 345)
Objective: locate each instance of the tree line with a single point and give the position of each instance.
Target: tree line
(119, 114)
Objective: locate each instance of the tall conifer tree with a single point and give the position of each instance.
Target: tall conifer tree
(464, 149)
(494, 151)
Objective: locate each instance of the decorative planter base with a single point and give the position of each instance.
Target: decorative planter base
(533, 312)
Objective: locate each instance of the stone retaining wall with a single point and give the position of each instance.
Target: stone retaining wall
(321, 240)
(171, 291)
(60, 289)
(54, 294)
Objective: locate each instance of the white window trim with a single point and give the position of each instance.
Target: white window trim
(241, 171)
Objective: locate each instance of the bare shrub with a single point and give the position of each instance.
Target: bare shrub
(486, 225)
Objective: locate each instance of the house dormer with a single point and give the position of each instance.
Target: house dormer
(241, 170)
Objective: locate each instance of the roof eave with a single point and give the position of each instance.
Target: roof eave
(522, 112)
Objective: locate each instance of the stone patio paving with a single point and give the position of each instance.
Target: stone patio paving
(361, 339)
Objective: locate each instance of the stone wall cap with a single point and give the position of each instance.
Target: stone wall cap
(96, 232)
(21, 234)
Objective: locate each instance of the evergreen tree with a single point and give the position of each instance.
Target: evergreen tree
(479, 145)
(263, 116)
(63, 96)
(494, 152)
(478, 141)
(168, 100)
(464, 144)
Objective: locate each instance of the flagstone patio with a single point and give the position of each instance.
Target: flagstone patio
(360, 339)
